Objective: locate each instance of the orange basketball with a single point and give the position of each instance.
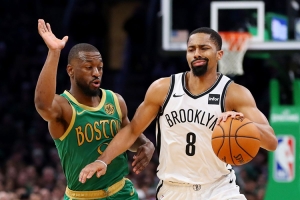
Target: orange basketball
(236, 141)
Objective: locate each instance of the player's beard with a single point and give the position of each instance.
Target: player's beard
(200, 70)
(86, 90)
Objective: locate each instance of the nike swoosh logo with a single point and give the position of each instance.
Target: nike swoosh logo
(79, 113)
(174, 95)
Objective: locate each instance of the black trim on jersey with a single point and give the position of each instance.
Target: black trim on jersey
(158, 136)
(160, 113)
(202, 94)
(158, 188)
(171, 88)
(223, 95)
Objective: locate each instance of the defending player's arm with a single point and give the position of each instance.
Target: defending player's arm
(143, 146)
(144, 115)
(45, 98)
(240, 99)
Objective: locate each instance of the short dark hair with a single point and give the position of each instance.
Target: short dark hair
(74, 52)
(214, 36)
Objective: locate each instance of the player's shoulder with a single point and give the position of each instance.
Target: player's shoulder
(237, 95)
(161, 84)
(236, 89)
(158, 91)
(61, 99)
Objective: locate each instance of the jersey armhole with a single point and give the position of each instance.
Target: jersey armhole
(171, 88)
(117, 105)
(66, 133)
(224, 95)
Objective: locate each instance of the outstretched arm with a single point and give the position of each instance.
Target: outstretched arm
(143, 147)
(144, 115)
(44, 98)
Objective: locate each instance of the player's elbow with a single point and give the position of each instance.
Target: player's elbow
(271, 145)
(274, 145)
(43, 110)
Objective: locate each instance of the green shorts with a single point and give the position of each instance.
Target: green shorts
(127, 192)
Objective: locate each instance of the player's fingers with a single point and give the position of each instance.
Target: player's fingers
(219, 120)
(65, 39)
(40, 26)
(140, 166)
(44, 27)
(138, 156)
(82, 176)
(100, 173)
(48, 27)
(224, 117)
(90, 174)
(238, 115)
(134, 162)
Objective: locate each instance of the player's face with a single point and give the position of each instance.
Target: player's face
(88, 72)
(202, 54)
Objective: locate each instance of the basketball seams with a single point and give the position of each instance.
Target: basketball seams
(244, 136)
(235, 132)
(222, 140)
(229, 136)
(236, 138)
(254, 138)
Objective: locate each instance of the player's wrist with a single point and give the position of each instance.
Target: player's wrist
(101, 161)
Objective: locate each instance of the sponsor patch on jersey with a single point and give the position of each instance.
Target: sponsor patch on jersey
(109, 108)
(214, 99)
(284, 159)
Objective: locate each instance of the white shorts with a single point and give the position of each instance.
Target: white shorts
(224, 188)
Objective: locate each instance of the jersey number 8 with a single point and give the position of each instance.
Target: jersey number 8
(190, 147)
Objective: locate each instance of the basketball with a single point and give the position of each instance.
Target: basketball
(236, 141)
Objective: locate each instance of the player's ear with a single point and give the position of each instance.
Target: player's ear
(70, 70)
(219, 54)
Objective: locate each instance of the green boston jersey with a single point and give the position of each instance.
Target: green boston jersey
(90, 131)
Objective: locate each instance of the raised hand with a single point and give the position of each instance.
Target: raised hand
(52, 42)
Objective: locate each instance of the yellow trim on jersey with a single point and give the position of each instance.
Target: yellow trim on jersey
(96, 194)
(85, 106)
(70, 125)
(117, 105)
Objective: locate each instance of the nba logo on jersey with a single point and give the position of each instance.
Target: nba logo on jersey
(284, 158)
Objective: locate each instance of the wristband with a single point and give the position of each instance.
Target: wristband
(101, 162)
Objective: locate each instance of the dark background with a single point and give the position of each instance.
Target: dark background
(128, 35)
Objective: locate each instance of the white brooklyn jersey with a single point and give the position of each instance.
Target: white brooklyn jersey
(183, 132)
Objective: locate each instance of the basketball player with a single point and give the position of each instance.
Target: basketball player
(188, 106)
(83, 120)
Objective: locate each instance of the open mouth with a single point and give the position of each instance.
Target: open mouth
(96, 83)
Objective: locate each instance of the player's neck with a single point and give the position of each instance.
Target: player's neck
(91, 101)
(199, 84)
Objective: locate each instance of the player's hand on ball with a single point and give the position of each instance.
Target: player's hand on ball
(223, 117)
(88, 171)
(49, 38)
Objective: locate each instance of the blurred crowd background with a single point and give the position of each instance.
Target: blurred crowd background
(127, 33)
